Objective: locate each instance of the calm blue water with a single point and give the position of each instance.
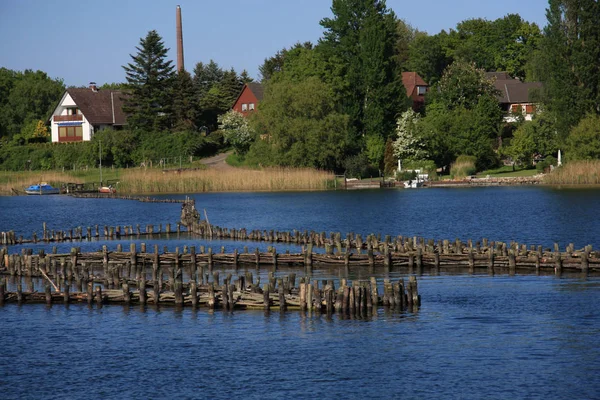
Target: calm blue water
(531, 215)
(474, 337)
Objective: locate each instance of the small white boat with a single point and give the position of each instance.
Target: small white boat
(414, 183)
(42, 189)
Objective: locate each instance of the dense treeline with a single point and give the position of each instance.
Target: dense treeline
(340, 104)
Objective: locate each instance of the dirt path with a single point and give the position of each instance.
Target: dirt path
(217, 162)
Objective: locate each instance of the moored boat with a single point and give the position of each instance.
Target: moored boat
(42, 189)
(107, 189)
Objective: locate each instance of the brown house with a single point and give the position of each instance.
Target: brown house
(514, 95)
(250, 96)
(416, 88)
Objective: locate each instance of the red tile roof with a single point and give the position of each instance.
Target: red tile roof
(410, 80)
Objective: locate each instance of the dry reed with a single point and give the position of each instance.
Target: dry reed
(575, 173)
(21, 180)
(462, 169)
(141, 181)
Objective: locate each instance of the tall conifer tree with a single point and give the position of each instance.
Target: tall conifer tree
(149, 83)
(184, 105)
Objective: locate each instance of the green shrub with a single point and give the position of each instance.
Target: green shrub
(406, 175)
(358, 167)
(543, 165)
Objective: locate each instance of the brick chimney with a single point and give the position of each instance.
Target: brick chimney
(93, 87)
(180, 66)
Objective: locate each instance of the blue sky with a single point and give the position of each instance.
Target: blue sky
(89, 40)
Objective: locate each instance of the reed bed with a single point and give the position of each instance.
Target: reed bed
(21, 180)
(463, 166)
(141, 181)
(575, 173)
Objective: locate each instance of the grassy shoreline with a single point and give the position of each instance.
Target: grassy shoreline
(579, 174)
(157, 181)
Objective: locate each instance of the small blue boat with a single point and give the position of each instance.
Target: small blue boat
(42, 188)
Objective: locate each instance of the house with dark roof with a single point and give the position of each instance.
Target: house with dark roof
(416, 88)
(515, 96)
(250, 96)
(83, 111)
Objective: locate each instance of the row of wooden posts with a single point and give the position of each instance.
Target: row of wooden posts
(26, 263)
(352, 251)
(143, 199)
(354, 298)
(80, 234)
(330, 242)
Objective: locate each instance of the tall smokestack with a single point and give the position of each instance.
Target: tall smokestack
(180, 66)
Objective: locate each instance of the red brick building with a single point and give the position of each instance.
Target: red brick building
(416, 88)
(250, 96)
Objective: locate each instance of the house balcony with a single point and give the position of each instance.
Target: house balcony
(68, 118)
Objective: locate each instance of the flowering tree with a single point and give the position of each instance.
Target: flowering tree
(236, 131)
(409, 145)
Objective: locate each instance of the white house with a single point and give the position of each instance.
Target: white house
(81, 112)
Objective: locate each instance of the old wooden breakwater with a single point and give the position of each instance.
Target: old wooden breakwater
(351, 250)
(143, 199)
(187, 285)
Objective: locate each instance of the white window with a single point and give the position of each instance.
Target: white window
(244, 107)
(251, 106)
(421, 90)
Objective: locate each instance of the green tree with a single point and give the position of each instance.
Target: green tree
(462, 85)
(300, 126)
(245, 77)
(359, 44)
(584, 141)
(185, 109)
(7, 81)
(390, 161)
(205, 77)
(216, 90)
(230, 87)
(570, 50)
(463, 117)
(30, 96)
(149, 83)
(275, 63)
(428, 57)
(406, 35)
(113, 86)
(516, 53)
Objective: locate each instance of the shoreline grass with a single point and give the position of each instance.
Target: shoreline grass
(155, 181)
(575, 173)
(141, 181)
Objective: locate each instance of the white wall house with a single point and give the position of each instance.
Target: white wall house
(81, 112)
